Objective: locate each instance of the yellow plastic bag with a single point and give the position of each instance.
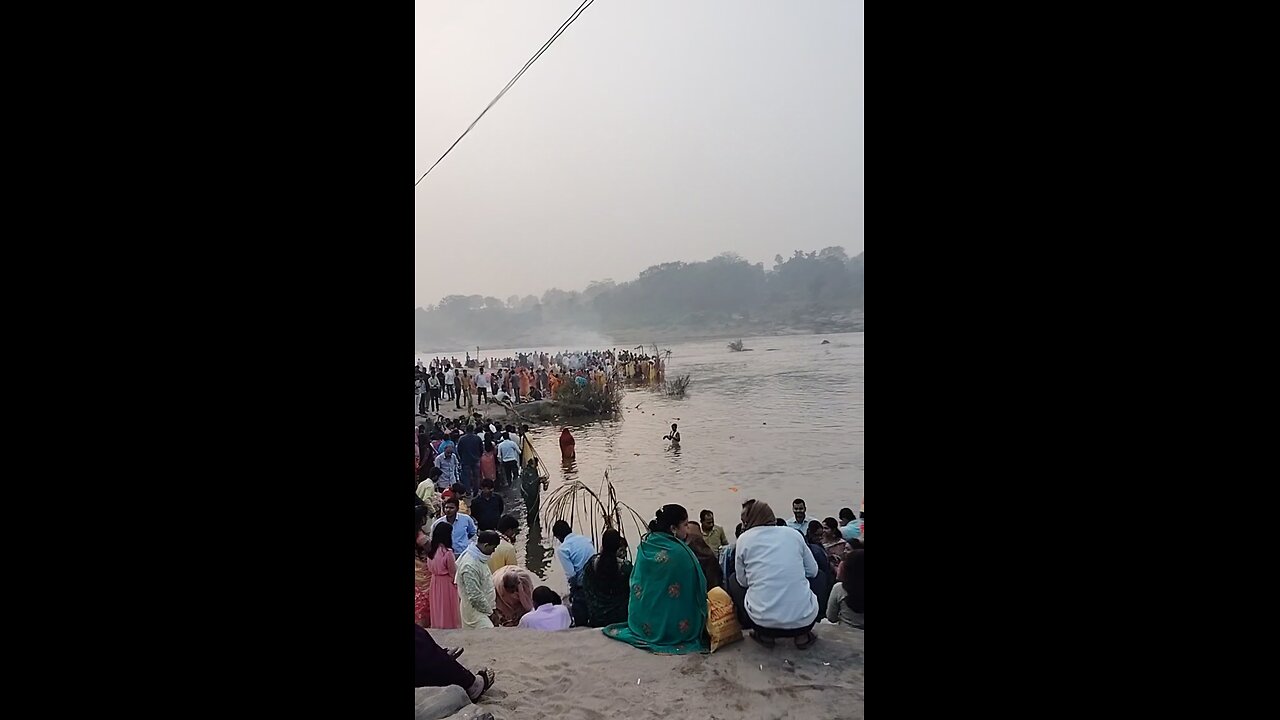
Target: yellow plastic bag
(722, 622)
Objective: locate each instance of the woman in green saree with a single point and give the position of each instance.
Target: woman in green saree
(530, 487)
(667, 610)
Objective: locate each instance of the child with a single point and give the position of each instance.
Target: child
(548, 613)
(457, 491)
(674, 437)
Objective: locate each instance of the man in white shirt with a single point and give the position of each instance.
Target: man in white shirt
(802, 521)
(433, 393)
(482, 387)
(448, 383)
(509, 456)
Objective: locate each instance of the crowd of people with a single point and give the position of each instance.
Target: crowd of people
(782, 574)
(526, 377)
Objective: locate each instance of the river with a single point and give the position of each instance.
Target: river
(780, 422)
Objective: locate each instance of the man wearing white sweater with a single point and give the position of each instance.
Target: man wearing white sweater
(773, 564)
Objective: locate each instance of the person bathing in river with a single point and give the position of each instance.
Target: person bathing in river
(566, 444)
(674, 437)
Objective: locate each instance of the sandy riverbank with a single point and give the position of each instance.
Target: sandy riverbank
(580, 674)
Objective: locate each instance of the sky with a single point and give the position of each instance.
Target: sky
(649, 132)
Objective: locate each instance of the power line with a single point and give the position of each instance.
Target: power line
(563, 26)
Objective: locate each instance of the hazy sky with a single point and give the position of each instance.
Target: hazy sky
(649, 132)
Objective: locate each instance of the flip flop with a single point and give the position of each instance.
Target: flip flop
(454, 652)
(489, 677)
(765, 641)
(802, 644)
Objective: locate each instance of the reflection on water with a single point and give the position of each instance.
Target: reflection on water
(536, 554)
(769, 425)
(568, 469)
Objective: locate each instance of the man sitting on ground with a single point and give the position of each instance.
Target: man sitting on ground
(548, 613)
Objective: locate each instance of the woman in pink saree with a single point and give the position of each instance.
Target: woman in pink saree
(514, 588)
(443, 603)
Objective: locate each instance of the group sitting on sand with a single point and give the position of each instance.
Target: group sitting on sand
(779, 579)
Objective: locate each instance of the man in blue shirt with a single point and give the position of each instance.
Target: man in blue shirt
(464, 528)
(575, 550)
(448, 464)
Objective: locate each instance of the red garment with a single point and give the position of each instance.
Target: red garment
(422, 595)
(566, 444)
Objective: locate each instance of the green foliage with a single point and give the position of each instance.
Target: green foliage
(590, 512)
(573, 400)
(721, 292)
(676, 388)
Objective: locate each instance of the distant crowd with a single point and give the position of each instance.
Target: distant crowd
(526, 377)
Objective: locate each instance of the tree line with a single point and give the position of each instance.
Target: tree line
(723, 292)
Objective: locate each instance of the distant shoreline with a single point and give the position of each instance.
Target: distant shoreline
(642, 337)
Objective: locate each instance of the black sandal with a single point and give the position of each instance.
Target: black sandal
(807, 641)
(454, 652)
(489, 677)
(763, 639)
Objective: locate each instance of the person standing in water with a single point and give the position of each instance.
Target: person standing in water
(566, 444)
(530, 488)
(674, 437)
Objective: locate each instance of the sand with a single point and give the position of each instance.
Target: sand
(580, 674)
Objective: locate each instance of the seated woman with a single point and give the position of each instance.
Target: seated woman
(833, 542)
(845, 605)
(667, 611)
(821, 583)
(514, 589)
(707, 559)
(770, 587)
(606, 581)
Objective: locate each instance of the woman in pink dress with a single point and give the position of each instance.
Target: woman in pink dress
(445, 613)
(489, 462)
